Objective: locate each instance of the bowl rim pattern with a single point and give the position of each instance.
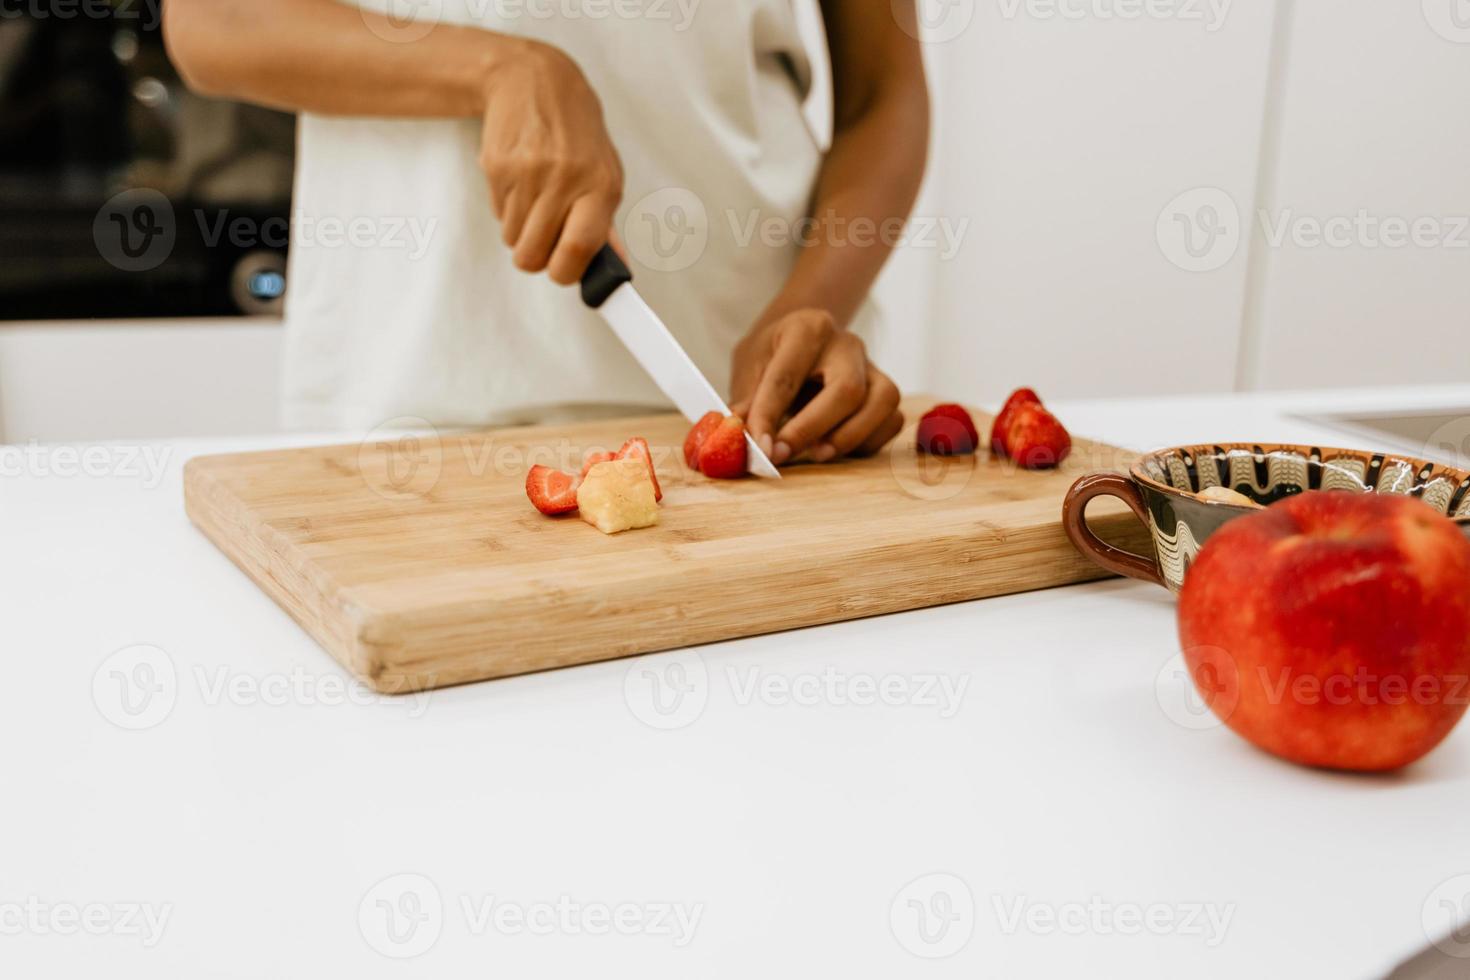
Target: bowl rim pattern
(1374, 464)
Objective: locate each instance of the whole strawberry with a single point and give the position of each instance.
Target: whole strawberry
(1035, 438)
(948, 430)
(694, 441)
(722, 453)
(1019, 397)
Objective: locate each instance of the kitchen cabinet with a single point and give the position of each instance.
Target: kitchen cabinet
(119, 379)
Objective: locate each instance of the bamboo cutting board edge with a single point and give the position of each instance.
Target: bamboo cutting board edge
(213, 509)
(375, 645)
(583, 643)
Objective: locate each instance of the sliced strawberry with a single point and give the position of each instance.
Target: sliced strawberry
(722, 453)
(948, 430)
(697, 435)
(1035, 438)
(552, 491)
(592, 459)
(637, 448)
(1019, 397)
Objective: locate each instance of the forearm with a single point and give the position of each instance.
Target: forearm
(863, 196)
(325, 57)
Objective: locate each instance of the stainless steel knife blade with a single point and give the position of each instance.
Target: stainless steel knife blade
(610, 291)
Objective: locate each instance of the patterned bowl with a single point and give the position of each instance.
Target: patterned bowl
(1163, 489)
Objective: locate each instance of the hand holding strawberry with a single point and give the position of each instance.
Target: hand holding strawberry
(852, 409)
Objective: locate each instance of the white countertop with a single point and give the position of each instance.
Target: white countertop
(1032, 761)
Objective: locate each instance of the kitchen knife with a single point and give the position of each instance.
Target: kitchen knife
(607, 287)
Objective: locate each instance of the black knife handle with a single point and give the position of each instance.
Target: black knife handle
(606, 273)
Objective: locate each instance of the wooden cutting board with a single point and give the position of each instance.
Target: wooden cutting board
(418, 562)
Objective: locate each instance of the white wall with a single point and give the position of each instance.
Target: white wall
(1374, 119)
(1062, 142)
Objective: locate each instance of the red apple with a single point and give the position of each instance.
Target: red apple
(1333, 628)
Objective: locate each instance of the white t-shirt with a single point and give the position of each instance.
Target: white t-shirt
(404, 303)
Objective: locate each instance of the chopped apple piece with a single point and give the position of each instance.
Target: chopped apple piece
(618, 496)
(1225, 495)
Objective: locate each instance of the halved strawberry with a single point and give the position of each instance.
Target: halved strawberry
(552, 491)
(1019, 397)
(593, 458)
(637, 448)
(722, 453)
(1035, 438)
(948, 430)
(697, 435)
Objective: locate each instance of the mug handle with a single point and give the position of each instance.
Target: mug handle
(1074, 520)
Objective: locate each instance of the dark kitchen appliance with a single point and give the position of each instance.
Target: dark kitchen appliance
(122, 194)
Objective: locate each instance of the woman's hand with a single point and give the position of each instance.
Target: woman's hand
(853, 410)
(871, 173)
(555, 178)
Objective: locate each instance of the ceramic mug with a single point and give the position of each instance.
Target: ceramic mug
(1162, 489)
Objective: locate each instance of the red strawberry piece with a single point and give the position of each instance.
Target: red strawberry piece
(697, 435)
(948, 430)
(552, 491)
(722, 453)
(593, 458)
(637, 448)
(1019, 397)
(1036, 439)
